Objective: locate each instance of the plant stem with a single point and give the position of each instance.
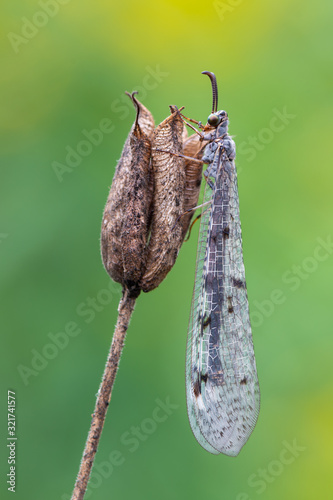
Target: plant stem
(125, 309)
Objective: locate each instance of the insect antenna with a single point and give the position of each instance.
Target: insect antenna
(214, 89)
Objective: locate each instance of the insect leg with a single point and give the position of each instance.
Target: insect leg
(178, 154)
(193, 121)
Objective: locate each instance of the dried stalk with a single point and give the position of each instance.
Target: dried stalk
(125, 310)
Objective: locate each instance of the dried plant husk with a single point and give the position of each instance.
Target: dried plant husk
(168, 200)
(193, 147)
(126, 216)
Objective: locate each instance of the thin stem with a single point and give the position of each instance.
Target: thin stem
(125, 309)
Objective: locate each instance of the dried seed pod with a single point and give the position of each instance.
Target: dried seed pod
(137, 208)
(193, 147)
(126, 215)
(168, 200)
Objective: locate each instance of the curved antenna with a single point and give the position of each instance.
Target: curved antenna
(214, 89)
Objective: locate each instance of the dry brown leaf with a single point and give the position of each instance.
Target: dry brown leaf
(126, 215)
(193, 147)
(168, 200)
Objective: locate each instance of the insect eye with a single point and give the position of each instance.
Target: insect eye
(213, 120)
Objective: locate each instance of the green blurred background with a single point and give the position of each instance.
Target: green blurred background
(65, 67)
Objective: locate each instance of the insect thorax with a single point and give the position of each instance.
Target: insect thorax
(221, 147)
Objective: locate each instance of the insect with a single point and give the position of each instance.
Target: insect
(222, 386)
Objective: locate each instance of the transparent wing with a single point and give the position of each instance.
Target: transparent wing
(221, 378)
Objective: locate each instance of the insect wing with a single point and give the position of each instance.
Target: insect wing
(194, 339)
(221, 378)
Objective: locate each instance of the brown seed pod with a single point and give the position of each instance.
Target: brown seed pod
(168, 200)
(193, 147)
(126, 216)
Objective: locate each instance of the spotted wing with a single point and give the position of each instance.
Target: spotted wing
(221, 378)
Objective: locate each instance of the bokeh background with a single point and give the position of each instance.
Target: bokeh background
(65, 67)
